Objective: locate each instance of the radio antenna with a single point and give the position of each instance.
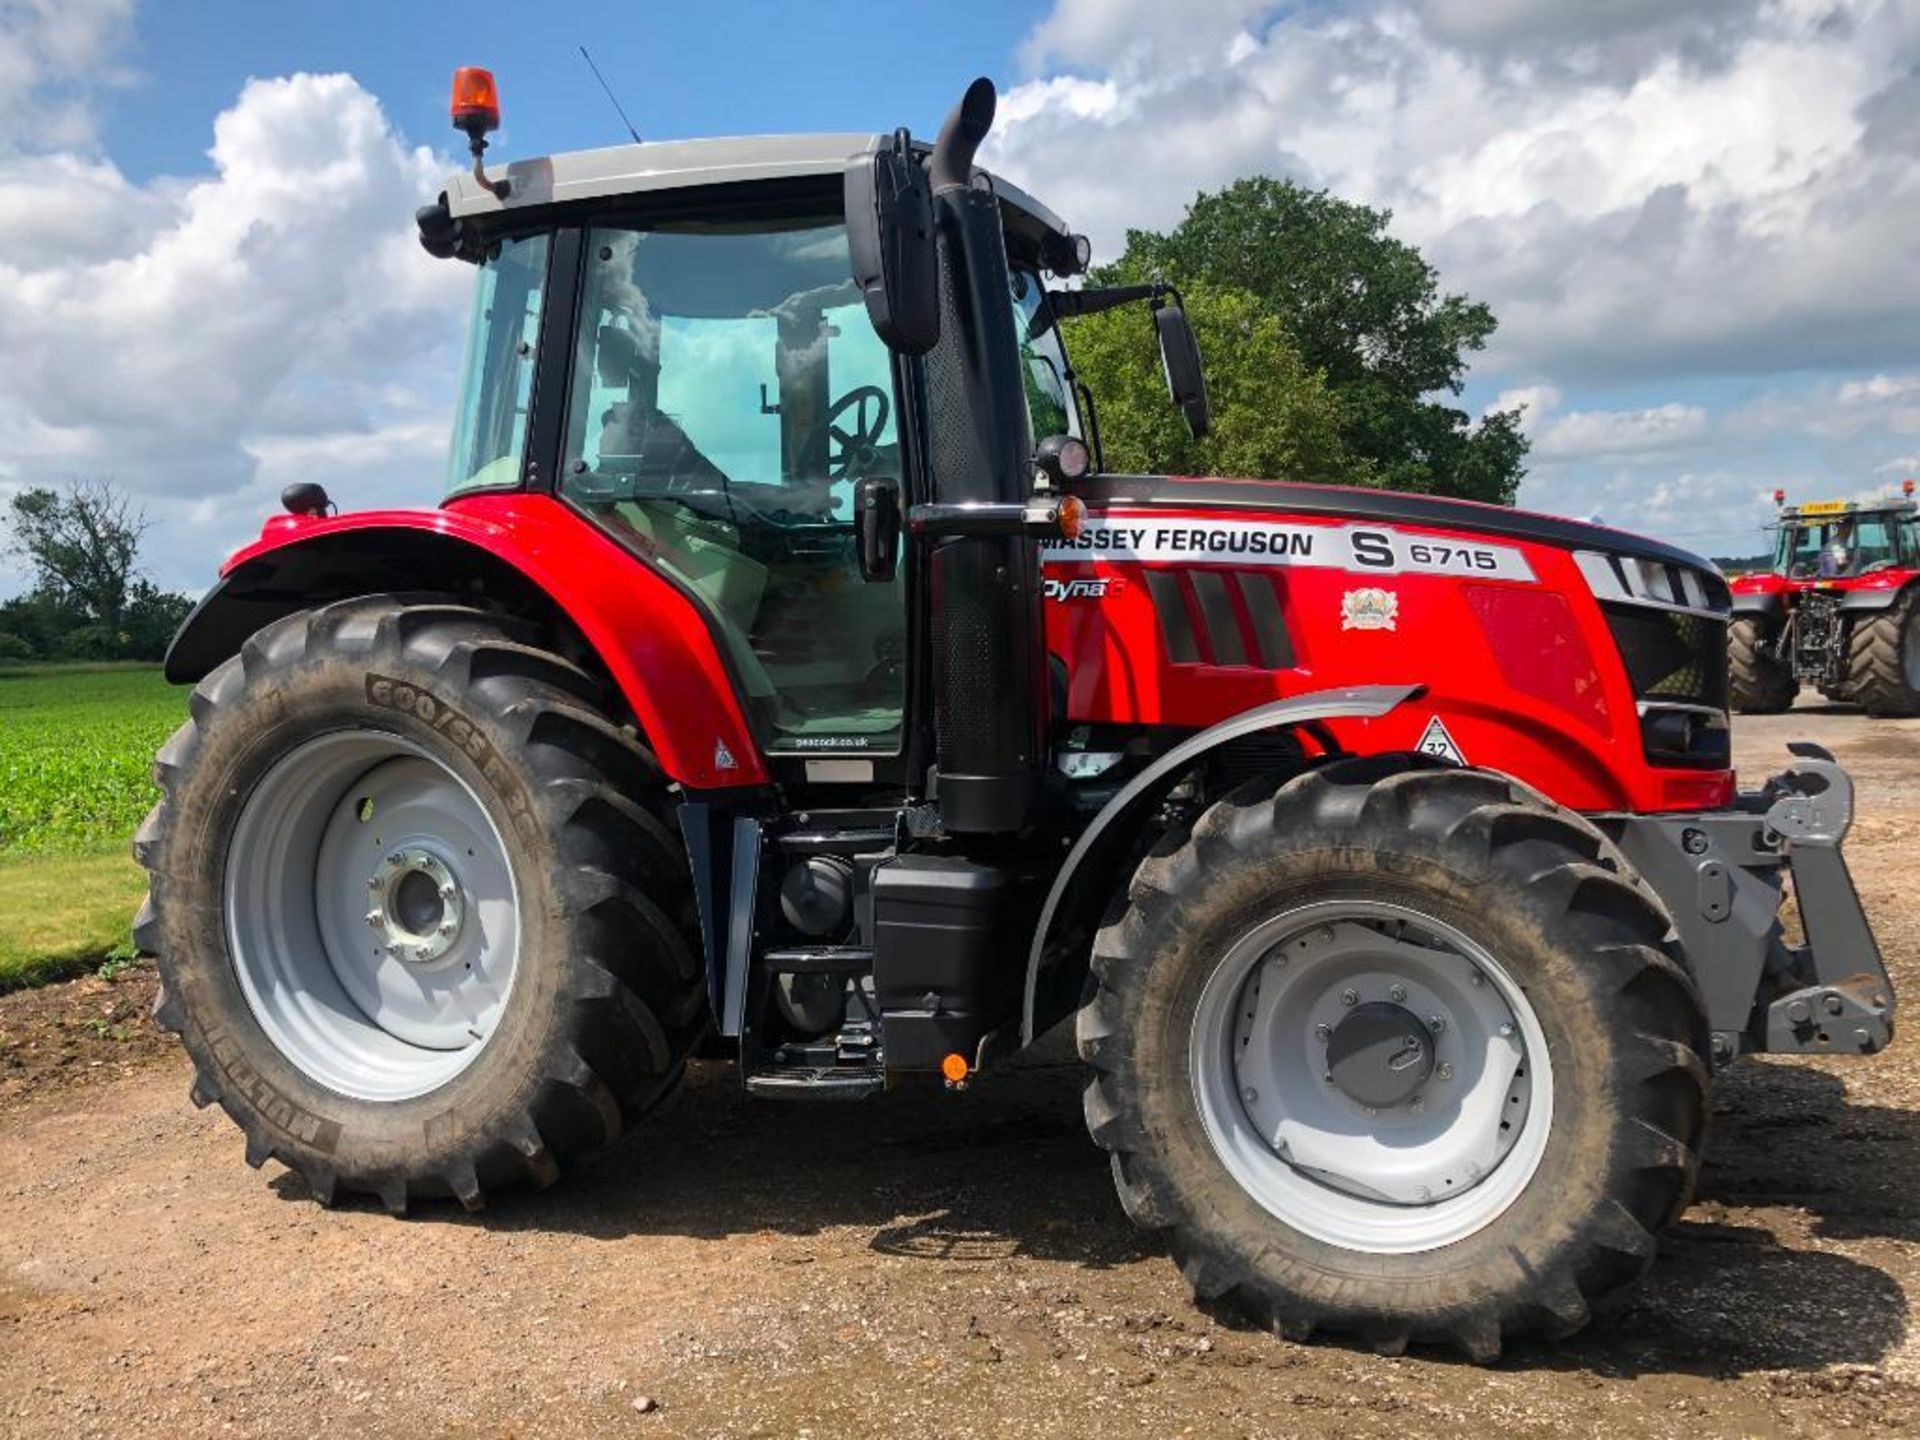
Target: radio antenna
(610, 98)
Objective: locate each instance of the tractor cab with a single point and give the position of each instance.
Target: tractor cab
(1842, 539)
(748, 362)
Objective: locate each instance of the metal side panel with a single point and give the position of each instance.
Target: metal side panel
(740, 904)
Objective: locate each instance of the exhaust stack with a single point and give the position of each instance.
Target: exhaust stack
(988, 650)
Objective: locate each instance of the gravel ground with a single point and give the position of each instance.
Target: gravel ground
(914, 1265)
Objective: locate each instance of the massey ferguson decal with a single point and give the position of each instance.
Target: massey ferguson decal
(1360, 549)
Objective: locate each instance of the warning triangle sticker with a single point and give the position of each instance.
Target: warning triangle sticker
(1435, 741)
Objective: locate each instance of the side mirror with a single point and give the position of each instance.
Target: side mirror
(1180, 362)
(890, 242)
(876, 526)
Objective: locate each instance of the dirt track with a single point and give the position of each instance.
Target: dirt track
(914, 1265)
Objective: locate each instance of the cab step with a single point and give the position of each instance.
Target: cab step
(816, 1083)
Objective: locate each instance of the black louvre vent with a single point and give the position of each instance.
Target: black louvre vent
(1672, 655)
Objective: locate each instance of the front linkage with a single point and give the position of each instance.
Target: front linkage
(1722, 875)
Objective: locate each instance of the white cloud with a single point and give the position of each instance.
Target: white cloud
(1650, 190)
(204, 337)
(1657, 431)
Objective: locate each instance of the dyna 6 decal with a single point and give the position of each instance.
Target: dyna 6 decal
(1360, 549)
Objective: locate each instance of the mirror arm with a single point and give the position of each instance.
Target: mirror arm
(1065, 304)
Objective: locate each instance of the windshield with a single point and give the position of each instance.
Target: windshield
(728, 393)
(1846, 545)
(490, 433)
(1049, 384)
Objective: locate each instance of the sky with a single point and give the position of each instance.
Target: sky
(1698, 224)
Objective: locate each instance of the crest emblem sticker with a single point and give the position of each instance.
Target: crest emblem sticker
(1369, 608)
(1435, 741)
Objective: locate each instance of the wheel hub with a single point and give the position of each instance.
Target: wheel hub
(1371, 1075)
(418, 907)
(1380, 1055)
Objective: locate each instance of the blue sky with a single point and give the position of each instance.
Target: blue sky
(1698, 224)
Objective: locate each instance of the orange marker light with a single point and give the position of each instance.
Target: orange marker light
(1906, 486)
(1073, 515)
(1779, 497)
(954, 1067)
(476, 101)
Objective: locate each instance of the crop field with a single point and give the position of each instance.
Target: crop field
(76, 746)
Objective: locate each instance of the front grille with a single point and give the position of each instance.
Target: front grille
(1674, 655)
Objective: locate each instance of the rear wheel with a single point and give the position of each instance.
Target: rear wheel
(419, 924)
(1761, 684)
(1883, 659)
(1397, 1051)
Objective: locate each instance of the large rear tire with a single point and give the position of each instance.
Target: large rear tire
(1398, 1051)
(1883, 660)
(1761, 684)
(419, 922)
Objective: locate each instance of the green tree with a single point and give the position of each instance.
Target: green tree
(1363, 311)
(83, 544)
(89, 600)
(1272, 414)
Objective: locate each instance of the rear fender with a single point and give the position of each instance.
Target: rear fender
(530, 554)
(1055, 970)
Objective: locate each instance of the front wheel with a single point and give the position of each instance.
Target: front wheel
(418, 922)
(1398, 1051)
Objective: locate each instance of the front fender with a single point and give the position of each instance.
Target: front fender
(527, 551)
(1053, 977)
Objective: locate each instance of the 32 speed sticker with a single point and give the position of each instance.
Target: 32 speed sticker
(1361, 549)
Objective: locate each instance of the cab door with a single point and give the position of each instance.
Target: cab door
(727, 394)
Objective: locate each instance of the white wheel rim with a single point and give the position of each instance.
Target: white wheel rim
(1428, 1169)
(371, 915)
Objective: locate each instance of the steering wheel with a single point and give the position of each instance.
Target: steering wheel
(851, 453)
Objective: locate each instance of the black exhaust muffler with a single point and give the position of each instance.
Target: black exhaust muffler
(988, 643)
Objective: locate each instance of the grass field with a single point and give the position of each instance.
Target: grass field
(76, 745)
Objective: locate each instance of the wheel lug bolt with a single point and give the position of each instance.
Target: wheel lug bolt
(446, 927)
(1323, 1033)
(1397, 993)
(1478, 978)
(446, 892)
(1349, 996)
(373, 918)
(1436, 1023)
(1418, 1106)
(1250, 1095)
(423, 953)
(1506, 1029)
(1444, 1071)
(373, 882)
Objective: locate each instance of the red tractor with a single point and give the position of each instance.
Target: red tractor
(1837, 611)
(783, 676)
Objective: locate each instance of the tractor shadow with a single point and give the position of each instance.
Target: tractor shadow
(1006, 1172)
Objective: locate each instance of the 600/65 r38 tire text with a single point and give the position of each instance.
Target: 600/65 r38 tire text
(419, 922)
(1397, 1050)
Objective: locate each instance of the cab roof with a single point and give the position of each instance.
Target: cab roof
(659, 165)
